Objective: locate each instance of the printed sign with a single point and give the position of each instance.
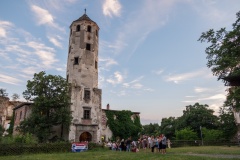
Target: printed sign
(79, 146)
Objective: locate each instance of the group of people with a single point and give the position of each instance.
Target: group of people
(156, 144)
(159, 143)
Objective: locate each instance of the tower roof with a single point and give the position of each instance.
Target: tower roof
(84, 17)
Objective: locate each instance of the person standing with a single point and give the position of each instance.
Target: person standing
(164, 143)
(169, 143)
(160, 143)
(152, 143)
(128, 144)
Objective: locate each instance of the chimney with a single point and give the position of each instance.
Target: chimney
(108, 106)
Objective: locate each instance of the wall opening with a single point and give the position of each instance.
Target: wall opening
(85, 136)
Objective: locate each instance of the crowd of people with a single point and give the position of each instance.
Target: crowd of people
(155, 144)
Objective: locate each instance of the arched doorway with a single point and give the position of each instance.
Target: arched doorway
(85, 136)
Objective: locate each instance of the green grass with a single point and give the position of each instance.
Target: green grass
(182, 153)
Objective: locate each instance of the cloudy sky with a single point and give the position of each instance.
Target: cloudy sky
(149, 58)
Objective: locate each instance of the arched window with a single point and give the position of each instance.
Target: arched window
(78, 28)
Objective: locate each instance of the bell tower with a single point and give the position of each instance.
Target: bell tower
(82, 74)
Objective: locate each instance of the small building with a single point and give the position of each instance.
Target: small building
(21, 112)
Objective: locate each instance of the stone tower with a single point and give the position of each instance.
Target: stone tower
(82, 74)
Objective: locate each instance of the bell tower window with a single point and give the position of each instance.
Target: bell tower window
(78, 28)
(87, 113)
(88, 47)
(86, 94)
(76, 60)
(89, 28)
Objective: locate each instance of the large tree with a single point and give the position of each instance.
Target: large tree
(223, 57)
(168, 126)
(195, 116)
(51, 105)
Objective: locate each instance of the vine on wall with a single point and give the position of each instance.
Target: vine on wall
(122, 125)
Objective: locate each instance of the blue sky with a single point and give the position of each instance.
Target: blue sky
(149, 58)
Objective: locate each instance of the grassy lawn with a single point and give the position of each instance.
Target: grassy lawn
(182, 153)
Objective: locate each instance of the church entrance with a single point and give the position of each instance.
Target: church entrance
(85, 136)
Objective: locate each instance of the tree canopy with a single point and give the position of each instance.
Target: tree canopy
(122, 125)
(223, 54)
(51, 105)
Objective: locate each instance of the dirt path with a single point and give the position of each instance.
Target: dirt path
(215, 155)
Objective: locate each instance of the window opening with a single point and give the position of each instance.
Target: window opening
(88, 47)
(97, 33)
(86, 94)
(89, 28)
(76, 60)
(20, 115)
(96, 64)
(78, 28)
(86, 114)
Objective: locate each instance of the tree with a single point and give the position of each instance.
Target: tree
(223, 53)
(195, 116)
(186, 134)
(3, 92)
(51, 106)
(227, 123)
(168, 127)
(151, 129)
(15, 96)
(212, 134)
(122, 125)
(223, 57)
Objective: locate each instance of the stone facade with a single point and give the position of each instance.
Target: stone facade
(22, 111)
(6, 111)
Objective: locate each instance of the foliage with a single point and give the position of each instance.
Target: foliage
(122, 125)
(20, 149)
(51, 106)
(3, 92)
(227, 123)
(186, 134)
(195, 116)
(10, 129)
(223, 53)
(15, 96)
(211, 134)
(19, 139)
(1, 130)
(151, 129)
(223, 57)
(168, 126)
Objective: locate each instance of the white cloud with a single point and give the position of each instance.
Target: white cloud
(108, 61)
(158, 72)
(214, 97)
(139, 24)
(185, 76)
(134, 83)
(118, 78)
(137, 86)
(200, 89)
(55, 41)
(46, 54)
(9, 79)
(42, 15)
(111, 8)
(30, 70)
(4, 25)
